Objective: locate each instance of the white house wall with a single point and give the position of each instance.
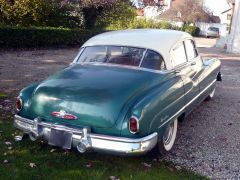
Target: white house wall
(153, 12)
(234, 38)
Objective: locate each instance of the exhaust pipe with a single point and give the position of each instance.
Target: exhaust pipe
(84, 144)
(33, 136)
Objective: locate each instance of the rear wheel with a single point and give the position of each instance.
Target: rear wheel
(166, 142)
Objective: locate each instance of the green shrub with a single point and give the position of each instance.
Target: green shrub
(193, 30)
(116, 17)
(42, 36)
(138, 24)
(54, 13)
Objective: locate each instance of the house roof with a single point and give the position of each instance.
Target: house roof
(161, 41)
(176, 13)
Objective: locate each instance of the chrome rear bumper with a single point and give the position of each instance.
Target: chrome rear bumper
(83, 140)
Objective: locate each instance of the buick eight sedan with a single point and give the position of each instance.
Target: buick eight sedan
(124, 93)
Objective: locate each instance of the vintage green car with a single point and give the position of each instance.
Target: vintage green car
(124, 93)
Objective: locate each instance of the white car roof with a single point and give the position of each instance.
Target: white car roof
(161, 41)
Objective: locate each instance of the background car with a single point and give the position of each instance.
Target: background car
(124, 93)
(212, 32)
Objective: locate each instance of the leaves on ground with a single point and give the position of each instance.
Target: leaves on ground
(146, 165)
(8, 143)
(5, 161)
(32, 165)
(52, 150)
(114, 178)
(89, 165)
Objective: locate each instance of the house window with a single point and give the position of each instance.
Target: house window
(229, 16)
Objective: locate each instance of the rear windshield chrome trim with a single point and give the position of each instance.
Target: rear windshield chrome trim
(75, 61)
(125, 66)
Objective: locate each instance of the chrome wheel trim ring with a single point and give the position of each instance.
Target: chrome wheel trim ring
(170, 135)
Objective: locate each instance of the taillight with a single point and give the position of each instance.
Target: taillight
(133, 125)
(19, 104)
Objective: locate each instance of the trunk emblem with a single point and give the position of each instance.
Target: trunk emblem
(63, 115)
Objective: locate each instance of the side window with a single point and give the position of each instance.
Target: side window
(190, 49)
(153, 60)
(178, 55)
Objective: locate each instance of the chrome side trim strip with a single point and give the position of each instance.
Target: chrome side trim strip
(179, 112)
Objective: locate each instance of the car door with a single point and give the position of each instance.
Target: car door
(183, 68)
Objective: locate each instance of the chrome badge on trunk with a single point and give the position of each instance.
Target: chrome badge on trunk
(63, 115)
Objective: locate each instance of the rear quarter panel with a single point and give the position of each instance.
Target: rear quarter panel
(157, 107)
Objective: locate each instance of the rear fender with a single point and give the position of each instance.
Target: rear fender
(158, 107)
(26, 95)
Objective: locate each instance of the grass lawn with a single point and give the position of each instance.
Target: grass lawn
(2, 95)
(54, 163)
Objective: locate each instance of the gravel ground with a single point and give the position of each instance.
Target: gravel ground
(208, 140)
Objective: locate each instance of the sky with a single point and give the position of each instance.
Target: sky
(216, 6)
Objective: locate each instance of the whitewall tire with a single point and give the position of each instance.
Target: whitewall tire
(170, 135)
(166, 142)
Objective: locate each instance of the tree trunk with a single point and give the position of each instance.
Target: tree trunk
(90, 15)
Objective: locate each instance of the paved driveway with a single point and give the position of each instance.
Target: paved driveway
(208, 141)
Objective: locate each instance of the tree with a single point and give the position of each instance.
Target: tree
(143, 3)
(53, 13)
(117, 17)
(188, 11)
(92, 9)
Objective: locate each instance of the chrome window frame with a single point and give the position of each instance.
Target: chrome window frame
(171, 51)
(195, 49)
(75, 61)
(174, 68)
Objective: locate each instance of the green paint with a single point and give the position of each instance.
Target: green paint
(104, 98)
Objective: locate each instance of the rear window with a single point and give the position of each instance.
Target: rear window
(213, 29)
(153, 60)
(130, 56)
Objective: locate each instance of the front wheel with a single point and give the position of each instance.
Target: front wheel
(166, 142)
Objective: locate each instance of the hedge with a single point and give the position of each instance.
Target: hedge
(193, 30)
(138, 24)
(20, 37)
(23, 37)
